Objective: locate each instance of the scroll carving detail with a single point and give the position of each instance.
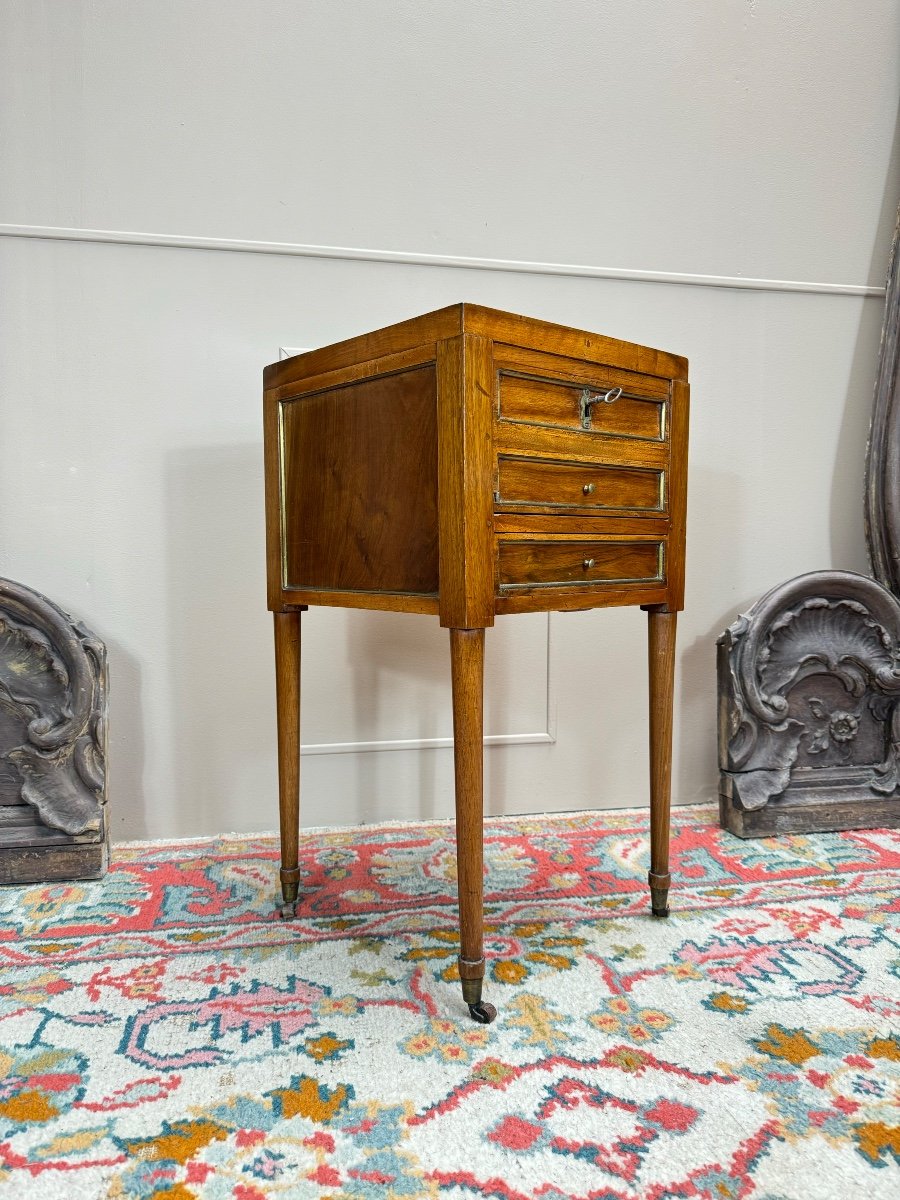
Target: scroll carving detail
(829, 632)
(52, 715)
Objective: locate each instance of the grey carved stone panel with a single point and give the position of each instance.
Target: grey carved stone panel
(53, 705)
(809, 720)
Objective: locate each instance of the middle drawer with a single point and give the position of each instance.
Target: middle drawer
(550, 484)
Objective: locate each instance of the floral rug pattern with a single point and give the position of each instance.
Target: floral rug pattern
(164, 1036)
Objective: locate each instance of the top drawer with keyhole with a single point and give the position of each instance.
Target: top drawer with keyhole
(565, 394)
(609, 410)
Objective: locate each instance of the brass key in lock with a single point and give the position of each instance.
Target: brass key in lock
(589, 398)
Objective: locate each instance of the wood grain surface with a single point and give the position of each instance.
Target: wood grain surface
(493, 324)
(465, 474)
(545, 402)
(360, 486)
(467, 676)
(661, 660)
(580, 522)
(678, 476)
(287, 704)
(585, 562)
(542, 482)
(578, 445)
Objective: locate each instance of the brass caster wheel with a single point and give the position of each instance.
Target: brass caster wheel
(482, 1012)
(479, 1010)
(288, 910)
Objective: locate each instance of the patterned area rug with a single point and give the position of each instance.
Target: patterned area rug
(163, 1035)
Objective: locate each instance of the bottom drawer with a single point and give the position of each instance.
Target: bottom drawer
(530, 562)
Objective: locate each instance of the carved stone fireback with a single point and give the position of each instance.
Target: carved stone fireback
(809, 693)
(809, 679)
(52, 742)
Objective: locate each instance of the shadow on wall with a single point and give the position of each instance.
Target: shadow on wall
(383, 647)
(851, 453)
(127, 807)
(848, 489)
(696, 700)
(379, 646)
(366, 675)
(221, 671)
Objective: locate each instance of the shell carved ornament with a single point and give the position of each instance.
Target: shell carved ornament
(53, 697)
(803, 675)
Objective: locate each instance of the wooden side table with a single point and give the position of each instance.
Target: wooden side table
(470, 463)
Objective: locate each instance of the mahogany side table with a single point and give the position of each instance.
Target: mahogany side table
(471, 463)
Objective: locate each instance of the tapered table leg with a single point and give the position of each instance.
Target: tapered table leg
(287, 699)
(662, 689)
(467, 668)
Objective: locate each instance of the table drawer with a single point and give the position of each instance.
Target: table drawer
(548, 483)
(563, 562)
(604, 406)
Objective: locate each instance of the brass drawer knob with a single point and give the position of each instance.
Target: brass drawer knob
(588, 563)
(589, 488)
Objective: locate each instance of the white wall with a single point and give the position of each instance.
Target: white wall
(730, 138)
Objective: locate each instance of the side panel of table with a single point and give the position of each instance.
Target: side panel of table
(351, 486)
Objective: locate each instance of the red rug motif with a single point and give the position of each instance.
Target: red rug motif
(164, 1036)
